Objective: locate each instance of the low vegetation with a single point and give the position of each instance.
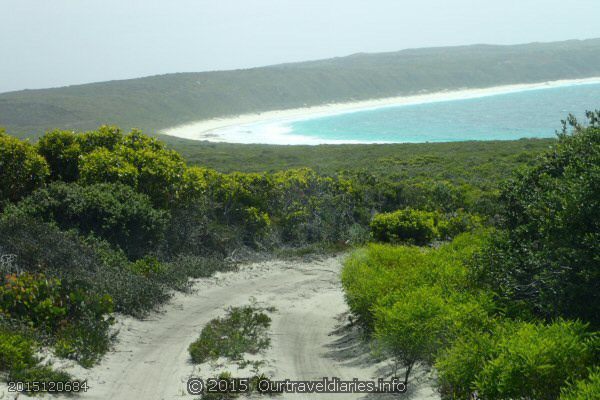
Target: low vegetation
(242, 330)
(20, 362)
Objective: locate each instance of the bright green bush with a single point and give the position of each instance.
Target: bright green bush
(537, 360)
(256, 223)
(105, 136)
(62, 151)
(147, 266)
(16, 351)
(80, 319)
(138, 161)
(377, 270)
(18, 360)
(105, 166)
(410, 226)
(22, 170)
(585, 389)
(415, 324)
(457, 366)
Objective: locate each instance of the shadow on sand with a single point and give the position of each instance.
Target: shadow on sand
(352, 348)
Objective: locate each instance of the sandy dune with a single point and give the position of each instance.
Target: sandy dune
(310, 335)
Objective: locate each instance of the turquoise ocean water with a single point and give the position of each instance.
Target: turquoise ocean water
(525, 114)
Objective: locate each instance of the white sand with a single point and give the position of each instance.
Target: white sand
(270, 127)
(309, 333)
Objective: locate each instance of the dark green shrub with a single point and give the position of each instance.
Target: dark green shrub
(411, 226)
(194, 229)
(84, 340)
(552, 233)
(39, 373)
(199, 267)
(89, 264)
(113, 212)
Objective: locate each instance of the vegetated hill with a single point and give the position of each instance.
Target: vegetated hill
(157, 102)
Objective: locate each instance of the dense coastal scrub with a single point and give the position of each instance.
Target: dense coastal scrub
(508, 312)
(102, 221)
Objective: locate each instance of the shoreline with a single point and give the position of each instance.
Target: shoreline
(237, 129)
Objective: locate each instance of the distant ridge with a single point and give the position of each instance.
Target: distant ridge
(157, 102)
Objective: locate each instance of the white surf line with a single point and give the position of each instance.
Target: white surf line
(239, 129)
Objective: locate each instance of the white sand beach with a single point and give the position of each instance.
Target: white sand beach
(273, 130)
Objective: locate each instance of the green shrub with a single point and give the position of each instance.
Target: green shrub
(373, 272)
(62, 151)
(22, 169)
(414, 325)
(552, 237)
(16, 351)
(113, 212)
(147, 266)
(458, 365)
(91, 264)
(18, 360)
(411, 226)
(536, 360)
(35, 298)
(84, 340)
(585, 389)
(138, 161)
(199, 267)
(458, 222)
(378, 270)
(39, 373)
(79, 319)
(242, 330)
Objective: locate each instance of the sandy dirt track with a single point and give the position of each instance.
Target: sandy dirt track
(309, 333)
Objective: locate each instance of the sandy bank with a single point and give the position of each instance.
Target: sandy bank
(239, 129)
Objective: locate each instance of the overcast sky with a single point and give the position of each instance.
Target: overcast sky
(48, 43)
